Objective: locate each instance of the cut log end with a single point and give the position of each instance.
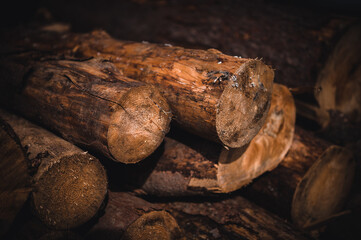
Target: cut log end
(139, 125)
(70, 192)
(244, 104)
(237, 167)
(154, 225)
(323, 190)
(338, 87)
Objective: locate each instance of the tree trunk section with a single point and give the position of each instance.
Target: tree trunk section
(312, 181)
(69, 184)
(87, 102)
(194, 166)
(128, 217)
(220, 97)
(14, 176)
(234, 218)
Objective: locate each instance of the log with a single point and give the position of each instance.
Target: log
(231, 219)
(87, 102)
(128, 217)
(219, 97)
(15, 184)
(193, 166)
(310, 185)
(315, 49)
(69, 185)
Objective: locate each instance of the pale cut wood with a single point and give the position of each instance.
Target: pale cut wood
(194, 166)
(69, 185)
(88, 103)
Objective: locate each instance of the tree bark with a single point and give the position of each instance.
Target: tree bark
(69, 184)
(128, 217)
(15, 179)
(220, 97)
(234, 218)
(194, 166)
(87, 102)
(312, 181)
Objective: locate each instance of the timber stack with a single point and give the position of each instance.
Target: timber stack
(86, 109)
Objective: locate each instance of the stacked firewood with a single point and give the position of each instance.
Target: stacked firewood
(103, 138)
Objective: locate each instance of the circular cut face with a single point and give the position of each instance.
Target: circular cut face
(153, 225)
(324, 188)
(239, 166)
(244, 103)
(139, 125)
(70, 192)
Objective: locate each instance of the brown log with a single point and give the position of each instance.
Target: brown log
(196, 166)
(310, 49)
(311, 183)
(14, 176)
(220, 97)
(69, 185)
(129, 217)
(88, 103)
(234, 218)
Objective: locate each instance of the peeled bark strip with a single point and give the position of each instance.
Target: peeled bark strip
(88, 103)
(128, 217)
(192, 167)
(69, 185)
(312, 181)
(14, 176)
(220, 97)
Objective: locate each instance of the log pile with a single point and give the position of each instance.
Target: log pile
(81, 110)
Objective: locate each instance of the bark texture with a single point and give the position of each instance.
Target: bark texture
(220, 97)
(14, 176)
(234, 218)
(87, 102)
(320, 196)
(69, 185)
(195, 166)
(128, 217)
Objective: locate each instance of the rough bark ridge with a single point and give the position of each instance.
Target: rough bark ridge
(69, 184)
(87, 102)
